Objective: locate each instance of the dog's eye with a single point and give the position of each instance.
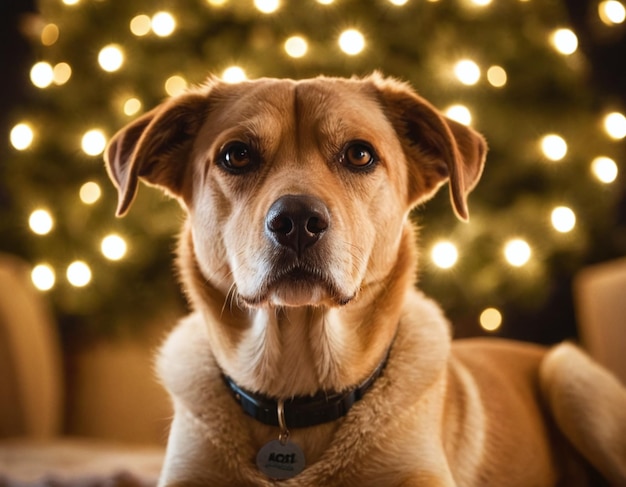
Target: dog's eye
(359, 155)
(236, 157)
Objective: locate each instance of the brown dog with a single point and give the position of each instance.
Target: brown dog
(309, 356)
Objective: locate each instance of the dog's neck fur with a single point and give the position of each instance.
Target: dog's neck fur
(286, 352)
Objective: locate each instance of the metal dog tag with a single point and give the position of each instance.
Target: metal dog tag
(280, 461)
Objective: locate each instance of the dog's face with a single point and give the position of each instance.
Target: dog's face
(297, 192)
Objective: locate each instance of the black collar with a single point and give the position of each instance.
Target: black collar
(303, 411)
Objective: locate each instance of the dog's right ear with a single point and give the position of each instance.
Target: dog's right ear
(156, 148)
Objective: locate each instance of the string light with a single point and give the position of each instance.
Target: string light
(40, 222)
(43, 277)
(352, 42)
(141, 25)
(93, 142)
(459, 113)
(517, 252)
(444, 254)
(111, 58)
(21, 136)
(113, 247)
(175, 85)
(163, 24)
(132, 106)
(490, 319)
(71, 2)
(563, 219)
(78, 274)
(234, 74)
(296, 46)
(496, 76)
(90, 192)
(325, 2)
(554, 147)
(398, 3)
(49, 34)
(604, 169)
(61, 73)
(615, 125)
(42, 74)
(217, 3)
(565, 41)
(612, 12)
(267, 6)
(467, 72)
(481, 3)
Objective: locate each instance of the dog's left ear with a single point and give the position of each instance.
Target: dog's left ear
(438, 148)
(155, 148)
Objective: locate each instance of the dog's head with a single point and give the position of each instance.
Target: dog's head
(297, 192)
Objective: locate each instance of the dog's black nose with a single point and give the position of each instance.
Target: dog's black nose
(297, 221)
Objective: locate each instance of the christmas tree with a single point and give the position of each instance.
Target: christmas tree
(545, 207)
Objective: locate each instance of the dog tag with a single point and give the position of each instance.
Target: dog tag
(279, 461)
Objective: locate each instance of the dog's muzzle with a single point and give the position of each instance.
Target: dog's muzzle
(297, 222)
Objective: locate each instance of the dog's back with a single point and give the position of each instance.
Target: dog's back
(514, 385)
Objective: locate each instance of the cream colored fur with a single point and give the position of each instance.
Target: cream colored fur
(466, 413)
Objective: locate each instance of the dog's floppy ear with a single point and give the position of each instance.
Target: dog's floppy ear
(438, 148)
(155, 148)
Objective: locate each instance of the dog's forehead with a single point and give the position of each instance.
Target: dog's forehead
(327, 105)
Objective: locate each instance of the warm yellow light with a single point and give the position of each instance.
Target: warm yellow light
(132, 106)
(490, 319)
(234, 74)
(43, 277)
(113, 247)
(615, 125)
(296, 46)
(604, 169)
(90, 192)
(111, 58)
(481, 3)
(78, 274)
(217, 3)
(467, 72)
(399, 3)
(93, 142)
(40, 222)
(267, 6)
(163, 24)
(42, 74)
(21, 136)
(517, 252)
(612, 12)
(61, 73)
(325, 2)
(444, 254)
(49, 34)
(352, 42)
(496, 75)
(141, 25)
(71, 2)
(175, 85)
(459, 113)
(563, 219)
(565, 41)
(554, 147)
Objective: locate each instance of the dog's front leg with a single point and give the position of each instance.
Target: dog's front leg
(193, 460)
(429, 480)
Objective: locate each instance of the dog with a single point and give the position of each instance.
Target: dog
(310, 358)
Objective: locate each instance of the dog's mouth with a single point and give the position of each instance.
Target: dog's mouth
(298, 284)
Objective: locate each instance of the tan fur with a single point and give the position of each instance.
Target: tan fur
(471, 413)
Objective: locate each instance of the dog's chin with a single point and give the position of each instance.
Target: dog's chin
(298, 288)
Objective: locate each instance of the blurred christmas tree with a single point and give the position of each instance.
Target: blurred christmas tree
(510, 68)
